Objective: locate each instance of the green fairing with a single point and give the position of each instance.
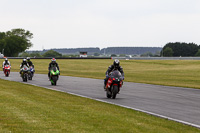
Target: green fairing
(54, 73)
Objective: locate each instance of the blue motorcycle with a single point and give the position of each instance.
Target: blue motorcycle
(31, 73)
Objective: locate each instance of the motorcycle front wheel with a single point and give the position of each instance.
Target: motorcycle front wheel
(114, 91)
(25, 77)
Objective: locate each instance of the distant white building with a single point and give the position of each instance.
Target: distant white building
(83, 54)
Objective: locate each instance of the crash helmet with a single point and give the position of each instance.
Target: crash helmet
(53, 60)
(28, 58)
(116, 63)
(6, 60)
(24, 60)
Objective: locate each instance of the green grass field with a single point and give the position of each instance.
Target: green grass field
(184, 73)
(26, 108)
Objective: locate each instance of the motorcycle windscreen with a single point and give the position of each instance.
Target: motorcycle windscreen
(116, 74)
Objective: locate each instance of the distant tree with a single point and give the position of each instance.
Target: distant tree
(35, 54)
(122, 55)
(198, 53)
(113, 55)
(24, 54)
(96, 54)
(157, 54)
(147, 54)
(71, 55)
(52, 53)
(182, 49)
(15, 41)
(168, 52)
(66, 56)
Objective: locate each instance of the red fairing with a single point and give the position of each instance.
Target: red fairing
(7, 69)
(120, 84)
(109, 83)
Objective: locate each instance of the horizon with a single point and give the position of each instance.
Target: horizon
(95, 47)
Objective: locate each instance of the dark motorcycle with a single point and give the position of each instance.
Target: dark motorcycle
(114, 84)
(25, 73)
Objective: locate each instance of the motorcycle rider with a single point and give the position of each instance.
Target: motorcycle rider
(115, 66)
(24, 62)
(6, 62)
(53, 63)
(30, 63)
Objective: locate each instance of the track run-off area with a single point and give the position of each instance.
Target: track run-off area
(173, 103)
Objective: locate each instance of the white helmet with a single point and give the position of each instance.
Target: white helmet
(28, 58)
(24, 60)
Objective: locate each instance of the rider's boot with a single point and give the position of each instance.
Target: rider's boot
(105, 85)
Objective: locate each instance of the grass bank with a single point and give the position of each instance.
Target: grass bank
(184, 73)
(26, 108)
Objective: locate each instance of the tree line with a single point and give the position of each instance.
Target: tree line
(50, 53)
(180, 49)
(18, 40)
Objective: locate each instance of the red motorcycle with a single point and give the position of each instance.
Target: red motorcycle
(7, 70)
(114, 84)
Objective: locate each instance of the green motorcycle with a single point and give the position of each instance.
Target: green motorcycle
(54, 75)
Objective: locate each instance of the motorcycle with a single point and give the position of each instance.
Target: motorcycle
(54, 75)
(7, 70)
(24, 73)
(31, 73)
(114, 84)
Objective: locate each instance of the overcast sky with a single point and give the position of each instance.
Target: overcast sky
(103, 23)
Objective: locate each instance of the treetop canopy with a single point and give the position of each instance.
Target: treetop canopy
(15, 41)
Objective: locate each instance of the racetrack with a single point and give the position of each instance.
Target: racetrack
(176, 103)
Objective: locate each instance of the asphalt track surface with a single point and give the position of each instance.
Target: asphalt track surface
(174, 103)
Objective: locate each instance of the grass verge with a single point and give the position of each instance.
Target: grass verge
(27, 108)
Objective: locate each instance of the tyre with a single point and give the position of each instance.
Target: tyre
(25, 77)
(108, 94)
(114, 91)
(7, 74)
(30, 76)
(53, 83)
(54, 78)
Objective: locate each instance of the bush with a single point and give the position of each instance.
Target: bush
(24, 54)
(52, 53)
